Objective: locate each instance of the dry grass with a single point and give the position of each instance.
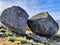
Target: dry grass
(18, 40)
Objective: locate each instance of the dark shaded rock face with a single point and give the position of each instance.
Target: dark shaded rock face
(15, 18)
(43, 24)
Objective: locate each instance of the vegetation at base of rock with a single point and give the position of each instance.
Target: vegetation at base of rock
(56, 38)
(11, 40)
(47, 44)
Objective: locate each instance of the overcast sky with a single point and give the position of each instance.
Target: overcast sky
(33, 7)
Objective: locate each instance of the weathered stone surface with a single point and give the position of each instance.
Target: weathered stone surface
(43, 24)
(15, 19)
(38, 38)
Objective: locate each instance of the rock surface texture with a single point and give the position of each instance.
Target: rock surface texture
(15, 18)
(38, 38)
(43, 24)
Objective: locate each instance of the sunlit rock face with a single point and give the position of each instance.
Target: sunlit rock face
(15, 18)
(43, 24)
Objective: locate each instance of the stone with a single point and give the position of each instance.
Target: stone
(15, 19)
(43, 24)
(38, 38)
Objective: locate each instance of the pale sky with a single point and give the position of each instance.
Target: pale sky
(33, 7)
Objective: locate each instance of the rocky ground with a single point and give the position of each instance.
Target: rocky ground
(7, 38)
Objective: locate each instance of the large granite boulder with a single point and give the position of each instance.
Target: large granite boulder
(15, 19)
(43, 24)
